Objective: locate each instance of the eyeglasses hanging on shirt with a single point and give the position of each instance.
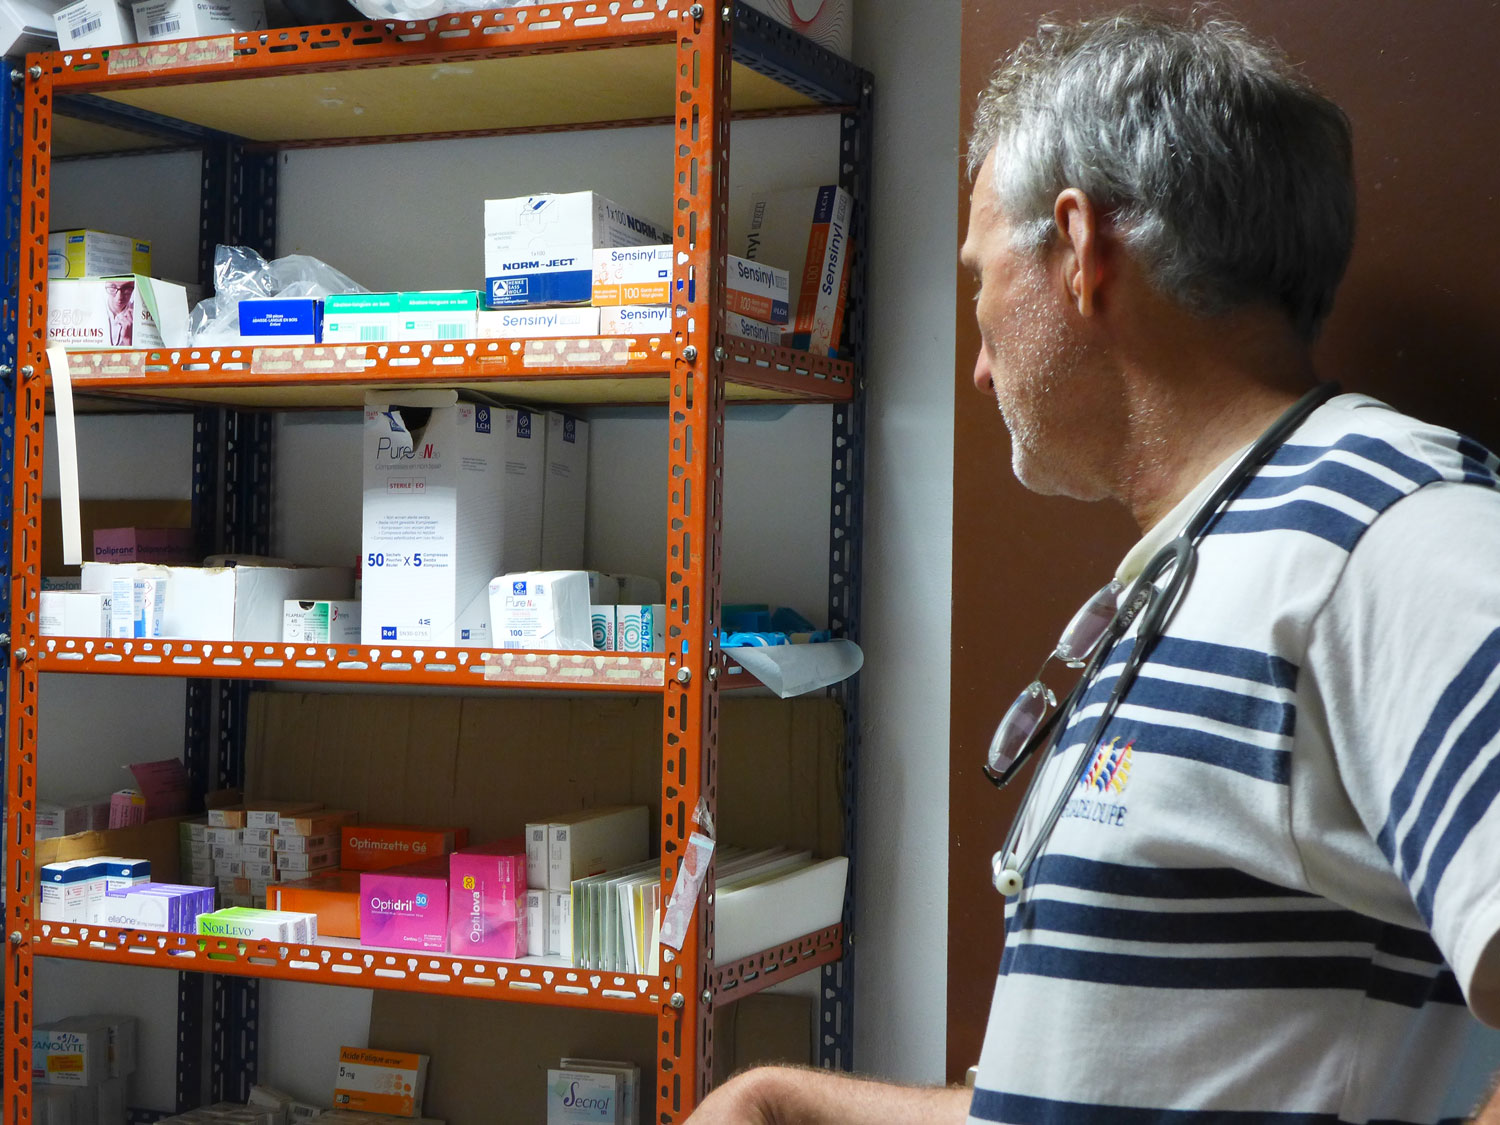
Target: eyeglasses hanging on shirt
(1036, 723)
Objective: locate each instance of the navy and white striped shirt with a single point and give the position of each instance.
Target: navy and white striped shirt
(1275, 878)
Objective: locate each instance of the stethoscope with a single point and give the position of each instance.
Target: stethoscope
(1152, 597)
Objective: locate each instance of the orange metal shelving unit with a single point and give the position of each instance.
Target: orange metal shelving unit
(648, 60)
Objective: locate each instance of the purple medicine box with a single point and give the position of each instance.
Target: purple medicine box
(487, 900)
(405, 907)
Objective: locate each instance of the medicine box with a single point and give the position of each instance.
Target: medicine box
(320, 622)
(452, 497)
(261, 813)
(487, 900)
(71, 613)
(133, 311)
(371, 1081)
(91, 23)
(93, 253)
(560, 924)
(539, 249)
(635, 320)
(120, 1038)
(405, 907)
(602, 617)
(62, 1056)
(294, 864)
(536, 922)
(322, 822)
(564, 492)
(595, 841)
(511, 324)
(333, 896)
(806, 231)
(756, 290)
(641, 628)
(64, 818)
(373, 847)
(546, 609)
(154, 545)
(355, 318)
(630, 1079)
(157, 20)
(137, 605)
(744, 328)
(259, 925)
(576, 1097)
(66, 888)
(281, 320)
(633, 275)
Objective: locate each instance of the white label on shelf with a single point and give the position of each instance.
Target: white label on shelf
(216, 51)
(67, 457)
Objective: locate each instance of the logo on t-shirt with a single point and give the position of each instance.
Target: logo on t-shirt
(1102, 784)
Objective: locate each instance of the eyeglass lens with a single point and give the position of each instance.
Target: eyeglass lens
(1077, 644)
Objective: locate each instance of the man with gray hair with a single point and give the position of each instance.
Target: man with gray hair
(1296, 672)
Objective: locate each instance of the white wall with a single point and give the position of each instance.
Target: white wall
(902, 904)
(382, 215)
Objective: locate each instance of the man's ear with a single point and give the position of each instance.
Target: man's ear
(1078, 225)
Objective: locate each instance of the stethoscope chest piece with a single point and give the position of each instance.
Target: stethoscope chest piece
(1003, 871)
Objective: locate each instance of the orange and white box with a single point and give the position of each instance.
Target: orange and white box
(758, 291)
(374, 847)
(373, 1081)
(632, 275)
(635, 320)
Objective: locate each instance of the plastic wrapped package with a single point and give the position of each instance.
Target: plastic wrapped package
(242, 274)
(423, 9)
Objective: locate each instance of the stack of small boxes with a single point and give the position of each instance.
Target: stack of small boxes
(79, 1067)
(252, 846)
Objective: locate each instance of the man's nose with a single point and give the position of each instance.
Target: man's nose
(983, 377)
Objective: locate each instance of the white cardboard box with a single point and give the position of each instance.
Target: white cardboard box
(320, 622)
(72, 613)
(156, 20)
(220, 603)
(64, 1057)
(595, 841)
(769, 914)
(542, 609)
(539, 249)
(512, 324)
(94, 23)
(565, 492)
(94, 253)
(452, 497)
(632, 275)
(635, 320)
(116, 312)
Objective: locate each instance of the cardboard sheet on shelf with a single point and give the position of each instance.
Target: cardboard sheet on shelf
(791, 670)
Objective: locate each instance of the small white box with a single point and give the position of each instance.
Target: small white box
(116, 312)
(635, 320)
(68, 890)
(539, 249)
(452, 497)
(757, 290)
(536, 855)
(536, 922)
(576, 1097)
(632, 275)
(320, 622)
(356, 318)
(61, 1056)
(137, 606)
(512, 324)
(641, 628)
(371, 1081)
(744, 328)
(545, 609)
(595, 841)
(156, 20)
(560, 924)
(55, 818)
(602, 618)
(259, 836)
(72, 613)
(93, 23)
(564, 492)
(298, 864)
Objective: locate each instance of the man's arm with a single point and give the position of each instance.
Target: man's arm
(802, 1096)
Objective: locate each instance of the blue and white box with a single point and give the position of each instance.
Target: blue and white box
(277, 320)
(584, 1097)
(68, 889)
(120, 873)
(539, 249)
(641, 628)
(547, 609)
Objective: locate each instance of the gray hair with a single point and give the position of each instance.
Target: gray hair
(1229, 176)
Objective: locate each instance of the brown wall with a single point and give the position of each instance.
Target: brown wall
(1417, 324)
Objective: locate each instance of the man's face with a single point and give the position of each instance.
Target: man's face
(117, 295)
(1032, 355)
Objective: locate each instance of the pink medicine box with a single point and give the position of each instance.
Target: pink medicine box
(405, 907)
(487, 900)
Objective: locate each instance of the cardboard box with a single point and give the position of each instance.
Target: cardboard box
(757, 290)
(281, 320)
(595, 841)
(320, 622)
(452, 497)
(61, 1056)
(539, 249)
(70, 613)
(542, 609)
(375, 847)
(133, 311)
(806, 231)
(633, 275)
(372, 1081)
(487, 900)
(522, 323)
(227, 603)
(565, 492)
(155, 545)
(635, 320)
(157, 20)
(333, 896)
(156, 841)
(361, 318)
(405, 907)
(92, 253)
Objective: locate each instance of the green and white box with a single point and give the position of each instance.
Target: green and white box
(362, 318)
(320, 622)
(452, 497)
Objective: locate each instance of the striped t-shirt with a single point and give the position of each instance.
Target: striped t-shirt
(1274, 880)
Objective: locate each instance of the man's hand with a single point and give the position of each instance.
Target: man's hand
(802, 1096)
